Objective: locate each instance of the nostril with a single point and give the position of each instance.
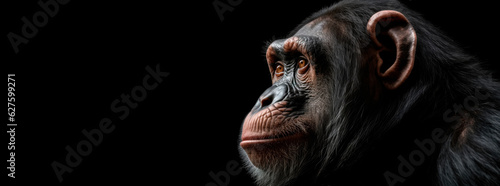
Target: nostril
(271, 95)
(266, 100)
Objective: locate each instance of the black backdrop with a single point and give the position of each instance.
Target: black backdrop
(91, 52)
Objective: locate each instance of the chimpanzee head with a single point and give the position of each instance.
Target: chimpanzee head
(337, 81)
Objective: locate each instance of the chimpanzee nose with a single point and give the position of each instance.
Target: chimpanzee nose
(271, 95)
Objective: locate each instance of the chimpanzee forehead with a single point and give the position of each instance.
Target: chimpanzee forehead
(319, 27)
(306, 40)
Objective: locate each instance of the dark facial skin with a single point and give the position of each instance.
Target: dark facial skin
(283, 121)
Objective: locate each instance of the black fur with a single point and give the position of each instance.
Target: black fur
(362, 146)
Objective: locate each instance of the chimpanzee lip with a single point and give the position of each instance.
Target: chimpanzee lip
(248, 140)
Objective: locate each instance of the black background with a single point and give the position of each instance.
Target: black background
(91, 52)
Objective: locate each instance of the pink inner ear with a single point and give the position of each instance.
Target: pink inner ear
(405, 40)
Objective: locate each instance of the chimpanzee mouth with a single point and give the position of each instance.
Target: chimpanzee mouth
(279, 123)
(249, 139)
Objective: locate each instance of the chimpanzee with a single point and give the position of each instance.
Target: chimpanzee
(369, 93)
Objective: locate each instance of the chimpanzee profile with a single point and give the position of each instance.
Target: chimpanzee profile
(369, 93)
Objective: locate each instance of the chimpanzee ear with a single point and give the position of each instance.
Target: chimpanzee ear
(396, 43)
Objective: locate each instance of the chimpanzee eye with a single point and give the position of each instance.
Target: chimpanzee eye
(302, 63)
(303, 66)
(279, 69)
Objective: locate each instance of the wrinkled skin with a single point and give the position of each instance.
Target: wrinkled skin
(352, 82)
